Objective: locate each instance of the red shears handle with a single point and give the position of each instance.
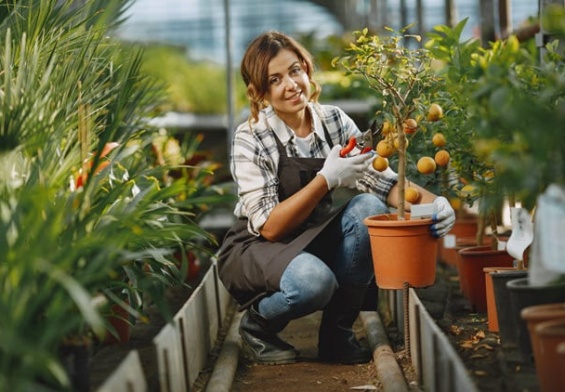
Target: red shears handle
(350, 146)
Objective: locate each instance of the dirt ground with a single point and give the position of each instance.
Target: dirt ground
(308, 374)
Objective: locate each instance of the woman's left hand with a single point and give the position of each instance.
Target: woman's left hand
(444, 217)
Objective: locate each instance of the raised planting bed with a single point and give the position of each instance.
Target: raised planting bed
(163, 356)
(451, 348)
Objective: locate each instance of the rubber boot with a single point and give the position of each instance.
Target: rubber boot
(260, 338)
(336, 340)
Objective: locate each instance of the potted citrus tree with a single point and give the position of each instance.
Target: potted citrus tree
(408, 85)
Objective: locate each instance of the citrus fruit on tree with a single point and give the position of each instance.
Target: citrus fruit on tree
(426, 165)
(468, 190)
(395, 143)
(380, 163)
(384, 148)
(442, 158)
(438, 140)
(411, 195)
(410, 126)
(435, 112)
(455, 203)
(387, 128)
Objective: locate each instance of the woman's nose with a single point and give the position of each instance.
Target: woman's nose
(290, 83)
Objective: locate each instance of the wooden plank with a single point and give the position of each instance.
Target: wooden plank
(127, 377)
(415, 333)
(438, 357)
(209, 287)
(198, 337)
(169, 359)
(199, 321)
(225, 299)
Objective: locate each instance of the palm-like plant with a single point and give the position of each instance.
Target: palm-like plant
(66, 90)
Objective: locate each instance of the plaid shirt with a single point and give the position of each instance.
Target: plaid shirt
(254, 159)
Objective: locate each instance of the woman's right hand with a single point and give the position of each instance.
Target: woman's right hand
(344, 171)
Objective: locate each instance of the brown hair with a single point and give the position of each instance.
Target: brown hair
(255, 63)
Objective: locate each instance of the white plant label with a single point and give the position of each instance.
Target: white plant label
(549, 228)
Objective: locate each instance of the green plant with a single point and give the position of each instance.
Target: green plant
(464, 66)
(67, 90)
(403, 77)
(191, 86)
(522, 106)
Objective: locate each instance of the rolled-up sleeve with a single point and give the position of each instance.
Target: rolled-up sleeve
(378, 183)
(255, 174)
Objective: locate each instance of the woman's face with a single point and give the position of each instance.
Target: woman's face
(289, 85)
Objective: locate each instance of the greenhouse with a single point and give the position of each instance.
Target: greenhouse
(308, 195)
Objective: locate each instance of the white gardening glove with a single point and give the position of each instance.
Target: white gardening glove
(344, 171)
(444, 217)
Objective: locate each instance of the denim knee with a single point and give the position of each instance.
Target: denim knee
(308, 283)
(364, 205)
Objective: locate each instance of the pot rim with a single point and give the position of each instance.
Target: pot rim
(482, 249)
(391, 220)
(524, 284)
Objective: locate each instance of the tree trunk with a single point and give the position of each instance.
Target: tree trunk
(504, 17)
(450, 13)
(487, 22)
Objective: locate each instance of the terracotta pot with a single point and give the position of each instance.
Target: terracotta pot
(464, 228)
(561, 354)
(549, 368)
(536, 314)
(472, 278)
(451, 255)
(193, 265)
(119, 320)
(403, 251)
(523, 295)
(492, 314)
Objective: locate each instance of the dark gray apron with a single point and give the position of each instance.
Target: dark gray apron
(251, 267)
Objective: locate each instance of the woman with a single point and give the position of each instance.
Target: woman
(294, 250)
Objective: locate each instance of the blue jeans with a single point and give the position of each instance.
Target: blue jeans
(308, 282)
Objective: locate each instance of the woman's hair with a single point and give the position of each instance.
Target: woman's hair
(255, 67)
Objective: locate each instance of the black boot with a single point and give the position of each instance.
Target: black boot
(259, 337)
(336, 339)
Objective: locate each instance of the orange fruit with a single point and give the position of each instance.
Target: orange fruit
(435, 112)
(395, 143)
(384, 148)
(410, 126)
(442, 158)
(411, 195)
(426, 165)
(439, 140)
(387, 128)
(468, 191)
(455, 203)
(380, 163)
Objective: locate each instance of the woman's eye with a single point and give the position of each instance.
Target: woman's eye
(296, 70)
(275, 81)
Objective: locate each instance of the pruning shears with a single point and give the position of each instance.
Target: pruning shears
(364, 143)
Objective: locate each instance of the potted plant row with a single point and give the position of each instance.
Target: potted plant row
(515, 106)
